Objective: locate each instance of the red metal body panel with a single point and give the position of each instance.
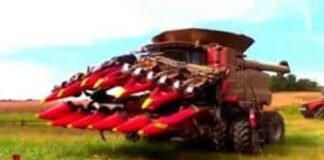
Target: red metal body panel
(135, 85)
(90, 81)
(163, 124)
(70, 90)
(66, 120)
(109, 122)
(112, 79)
(51, 97)
(159, 97)
(88, 120)
(56, 111)
(313, 105)
(133, 125)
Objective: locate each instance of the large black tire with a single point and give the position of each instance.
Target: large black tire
(245, 139)
(132, 137)
(274, 127)
(218, 138)
(213, 140)
(319, 114)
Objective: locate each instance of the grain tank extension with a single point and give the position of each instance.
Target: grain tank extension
(189, 85)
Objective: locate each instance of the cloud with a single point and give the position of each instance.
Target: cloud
(39, 23)
(24, 80)
(308, 20)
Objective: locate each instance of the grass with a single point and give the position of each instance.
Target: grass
(304, 140)
(48, 143)
(16, 117)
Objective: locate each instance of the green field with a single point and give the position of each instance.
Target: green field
(304, 140)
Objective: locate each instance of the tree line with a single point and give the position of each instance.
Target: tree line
(291, 83)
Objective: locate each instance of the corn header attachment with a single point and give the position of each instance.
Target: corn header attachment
(190, 85)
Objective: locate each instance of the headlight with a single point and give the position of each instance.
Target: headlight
(150, 75)
(176, 84)
(126, 68)
(190, 89)
(137, 71)
(162, 80)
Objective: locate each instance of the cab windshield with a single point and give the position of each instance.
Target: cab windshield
(185, 55)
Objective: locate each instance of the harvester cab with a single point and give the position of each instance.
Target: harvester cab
(193, 85)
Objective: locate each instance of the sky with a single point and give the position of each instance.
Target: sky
(44, 42)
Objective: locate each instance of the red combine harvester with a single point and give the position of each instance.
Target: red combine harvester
(189, 85)
(313, 109)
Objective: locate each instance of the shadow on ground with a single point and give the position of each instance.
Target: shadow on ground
(146, 151)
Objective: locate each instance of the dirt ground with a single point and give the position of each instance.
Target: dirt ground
(22, 106)
(290, 98)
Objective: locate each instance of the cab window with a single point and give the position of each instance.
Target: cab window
(176, 54)
(190, 56)
(197, 57)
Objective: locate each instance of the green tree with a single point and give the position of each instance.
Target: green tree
(291, 83)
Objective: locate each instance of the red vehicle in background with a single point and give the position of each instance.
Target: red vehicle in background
(313, 109)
